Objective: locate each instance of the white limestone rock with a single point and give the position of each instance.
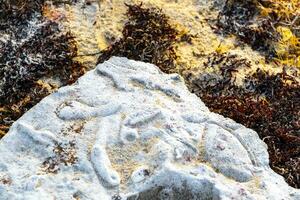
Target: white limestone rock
(127, 131)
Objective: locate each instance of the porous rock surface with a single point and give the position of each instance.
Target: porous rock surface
(127, 131)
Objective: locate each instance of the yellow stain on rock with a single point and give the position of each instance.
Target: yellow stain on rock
(122, 157)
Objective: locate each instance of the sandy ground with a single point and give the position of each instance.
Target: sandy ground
(97, 24)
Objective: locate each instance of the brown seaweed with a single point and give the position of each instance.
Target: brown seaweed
(267, 103)
(269, 26)
(147, 36)
(32, 48)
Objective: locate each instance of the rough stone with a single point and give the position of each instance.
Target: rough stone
(127, 131)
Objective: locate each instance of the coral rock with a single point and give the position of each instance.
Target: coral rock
(127, 131)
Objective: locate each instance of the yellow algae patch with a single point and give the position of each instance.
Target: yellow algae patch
(224, 48)
(288, 49)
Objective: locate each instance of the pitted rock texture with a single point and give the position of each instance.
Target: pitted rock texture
(127, 131)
